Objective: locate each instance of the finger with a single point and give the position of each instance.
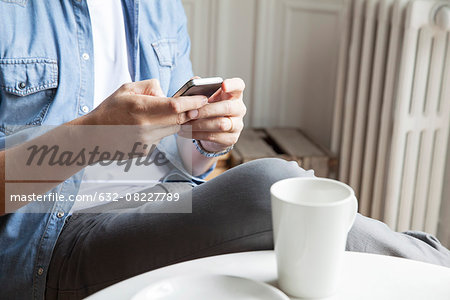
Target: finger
(172, 119)
(185, 104)
(150, 87)
(213, 124)
(165, 111)
(220, 124)
(231, 89)
(233, 85)
(217, 96)
(166, 106)
(155, 134)
(223, 138)
(221, 109)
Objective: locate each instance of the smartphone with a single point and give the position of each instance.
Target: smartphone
(200, 87)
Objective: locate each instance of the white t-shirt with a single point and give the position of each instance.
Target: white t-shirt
(111, 67)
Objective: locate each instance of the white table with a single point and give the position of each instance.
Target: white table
(366, 276)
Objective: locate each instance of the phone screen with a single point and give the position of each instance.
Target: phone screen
(202, 90)
(200, 87)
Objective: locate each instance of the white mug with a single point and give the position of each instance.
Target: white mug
(311, 219)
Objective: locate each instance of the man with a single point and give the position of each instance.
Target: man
(59, 60)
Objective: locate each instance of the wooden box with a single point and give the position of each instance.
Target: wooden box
(286, 143)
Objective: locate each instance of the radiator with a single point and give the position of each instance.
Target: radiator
(392, 109)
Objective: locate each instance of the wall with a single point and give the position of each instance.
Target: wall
(285, 50)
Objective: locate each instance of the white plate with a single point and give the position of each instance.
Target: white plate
(217, 287)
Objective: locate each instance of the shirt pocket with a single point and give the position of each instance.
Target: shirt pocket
(166, 51)
(28, 87)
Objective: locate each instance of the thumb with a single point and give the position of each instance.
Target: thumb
(149, 87)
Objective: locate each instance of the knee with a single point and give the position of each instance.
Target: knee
(275, 169)
(256, 177)
(248, 185)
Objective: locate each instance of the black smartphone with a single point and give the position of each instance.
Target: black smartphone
(200, 87)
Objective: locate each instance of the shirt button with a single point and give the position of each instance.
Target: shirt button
(22, 85)
(85, 109)
(85, 56)
(40, 271)
(60, 214)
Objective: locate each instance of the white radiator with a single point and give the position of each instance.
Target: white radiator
(392, 113)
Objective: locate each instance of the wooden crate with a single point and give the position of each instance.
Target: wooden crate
(286, 143)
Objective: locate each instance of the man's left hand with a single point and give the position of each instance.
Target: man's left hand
(218, 124)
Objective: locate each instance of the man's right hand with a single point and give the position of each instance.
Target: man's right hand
(143, 105)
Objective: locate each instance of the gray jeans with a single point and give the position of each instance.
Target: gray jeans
(230, 213)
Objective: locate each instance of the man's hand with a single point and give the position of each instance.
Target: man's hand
(218, 125)
(143, 105)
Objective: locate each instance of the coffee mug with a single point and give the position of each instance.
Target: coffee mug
(311, 219)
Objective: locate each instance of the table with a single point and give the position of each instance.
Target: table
(365, 276)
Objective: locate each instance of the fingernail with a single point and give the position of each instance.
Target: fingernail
(192, 114)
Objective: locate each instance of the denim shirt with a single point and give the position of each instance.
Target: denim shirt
(46, 67)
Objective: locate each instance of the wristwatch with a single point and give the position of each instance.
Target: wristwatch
(209, 154)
